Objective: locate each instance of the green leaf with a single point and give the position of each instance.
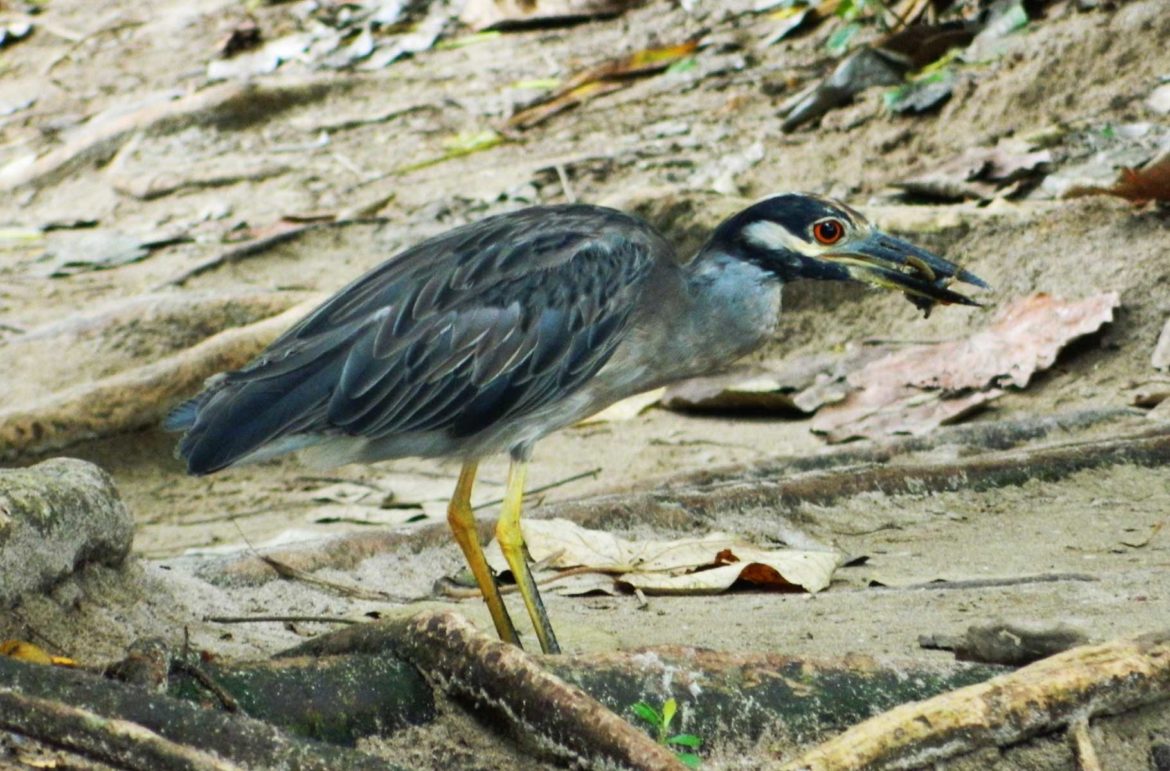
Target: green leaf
(846, 9)
(669, 708)
(467, 40)
(541, 84)
(686, 740)
(682, 65)
(689, 759)
(838, 42)
(647, 713)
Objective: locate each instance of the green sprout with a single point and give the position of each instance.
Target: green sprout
(683, 744)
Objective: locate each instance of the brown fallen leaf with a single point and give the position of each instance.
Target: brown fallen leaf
(1149, 183)
(243, 36)
(921, 387)
(979, 173)
(1149, 393)
(703, 565)
(801, 384)
(483, 15)
(611, 75)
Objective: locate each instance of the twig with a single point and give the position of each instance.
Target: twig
(281, 619)
(226, 700)
(564, 178)
(728, 697)
(1082, 742)
(259, 246)
(118, 742)
(981, 437)
(345, 590)
(449, 588)
(591, 474)
(989, 583)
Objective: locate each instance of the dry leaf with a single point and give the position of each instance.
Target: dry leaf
(1151, 393)
(979, 173)
(1149, 183)
(610, 75)
(243, 36)
(711, 563)
(801, 383)
(516, 14)
(626, 409)
(758, 390)
(921, 387)
(33, 654)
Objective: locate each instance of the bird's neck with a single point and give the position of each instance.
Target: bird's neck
(735, 304)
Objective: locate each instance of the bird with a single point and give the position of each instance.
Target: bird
(489, 336)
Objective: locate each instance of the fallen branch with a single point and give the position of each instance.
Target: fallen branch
(1049, 695)
(118, 742)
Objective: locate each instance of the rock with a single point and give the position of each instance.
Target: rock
(55, 517)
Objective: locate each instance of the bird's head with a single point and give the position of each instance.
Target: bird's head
(806, 236)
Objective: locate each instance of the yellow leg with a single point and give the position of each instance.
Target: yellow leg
(512, 544)
(462, 521)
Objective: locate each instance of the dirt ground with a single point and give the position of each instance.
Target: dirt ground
(662, 140)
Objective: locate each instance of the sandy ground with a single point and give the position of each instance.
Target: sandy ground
(1077, 70)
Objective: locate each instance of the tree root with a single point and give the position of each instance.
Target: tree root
(118, 742)
(134, 398)
(969, 439)
(91, 715)
(503, 680)
(1080, 683)
(685, 506)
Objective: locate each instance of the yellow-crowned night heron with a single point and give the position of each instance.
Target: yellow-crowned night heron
(489, 336)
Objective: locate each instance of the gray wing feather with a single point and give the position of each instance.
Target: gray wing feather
(477, 325)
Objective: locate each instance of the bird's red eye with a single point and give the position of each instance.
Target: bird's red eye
(828, 231)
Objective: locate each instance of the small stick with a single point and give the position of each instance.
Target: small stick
(281, 619)
(988, 583)
(564, 178)
(591, 474)
(295, 574)
(207, 681)
(1083, 749)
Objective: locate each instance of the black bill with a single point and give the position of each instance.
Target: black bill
(885, 261)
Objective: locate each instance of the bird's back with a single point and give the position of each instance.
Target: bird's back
(450, 339)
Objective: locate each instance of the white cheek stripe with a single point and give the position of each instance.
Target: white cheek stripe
(769, 235)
